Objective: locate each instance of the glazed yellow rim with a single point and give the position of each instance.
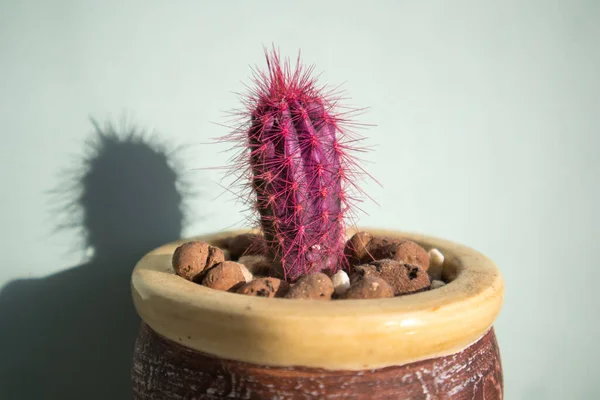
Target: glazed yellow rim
(335, 335)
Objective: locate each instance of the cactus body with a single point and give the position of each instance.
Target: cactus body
(300, 169)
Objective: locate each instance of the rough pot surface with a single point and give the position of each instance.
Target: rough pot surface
(374, 348)
(163, 369)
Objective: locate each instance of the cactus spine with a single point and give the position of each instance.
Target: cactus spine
(300, 168)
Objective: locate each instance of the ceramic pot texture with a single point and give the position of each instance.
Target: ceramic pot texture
(163, 369)
(432, 345)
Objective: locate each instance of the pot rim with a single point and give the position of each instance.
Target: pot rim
(335, 335)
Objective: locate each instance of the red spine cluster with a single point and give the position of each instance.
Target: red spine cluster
(299, 166)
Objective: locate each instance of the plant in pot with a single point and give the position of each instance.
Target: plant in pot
(305, 305)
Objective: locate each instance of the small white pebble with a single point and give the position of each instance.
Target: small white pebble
(247, 274)
(341, 282)
(436, 262)
(437, 284)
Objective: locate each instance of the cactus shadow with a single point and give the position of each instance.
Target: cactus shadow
(71, 335)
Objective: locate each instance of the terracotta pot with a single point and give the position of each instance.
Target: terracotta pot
(199, 343)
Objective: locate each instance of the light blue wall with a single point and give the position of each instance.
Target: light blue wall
(487, 133)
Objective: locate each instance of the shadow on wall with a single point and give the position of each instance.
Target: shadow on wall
(71, 335)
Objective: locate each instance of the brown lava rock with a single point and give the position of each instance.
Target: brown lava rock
(317, 286)
(404, 278)
(265, 287)
(224, 276)
(357, 247)
(403, 251)
(247, 244)
(226, 255)
(369, 287)
(192, 258)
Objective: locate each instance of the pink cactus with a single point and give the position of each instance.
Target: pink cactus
(299, 166)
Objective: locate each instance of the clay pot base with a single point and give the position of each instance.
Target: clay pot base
(163, 369)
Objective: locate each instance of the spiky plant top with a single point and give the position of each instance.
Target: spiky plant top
(297, 157)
